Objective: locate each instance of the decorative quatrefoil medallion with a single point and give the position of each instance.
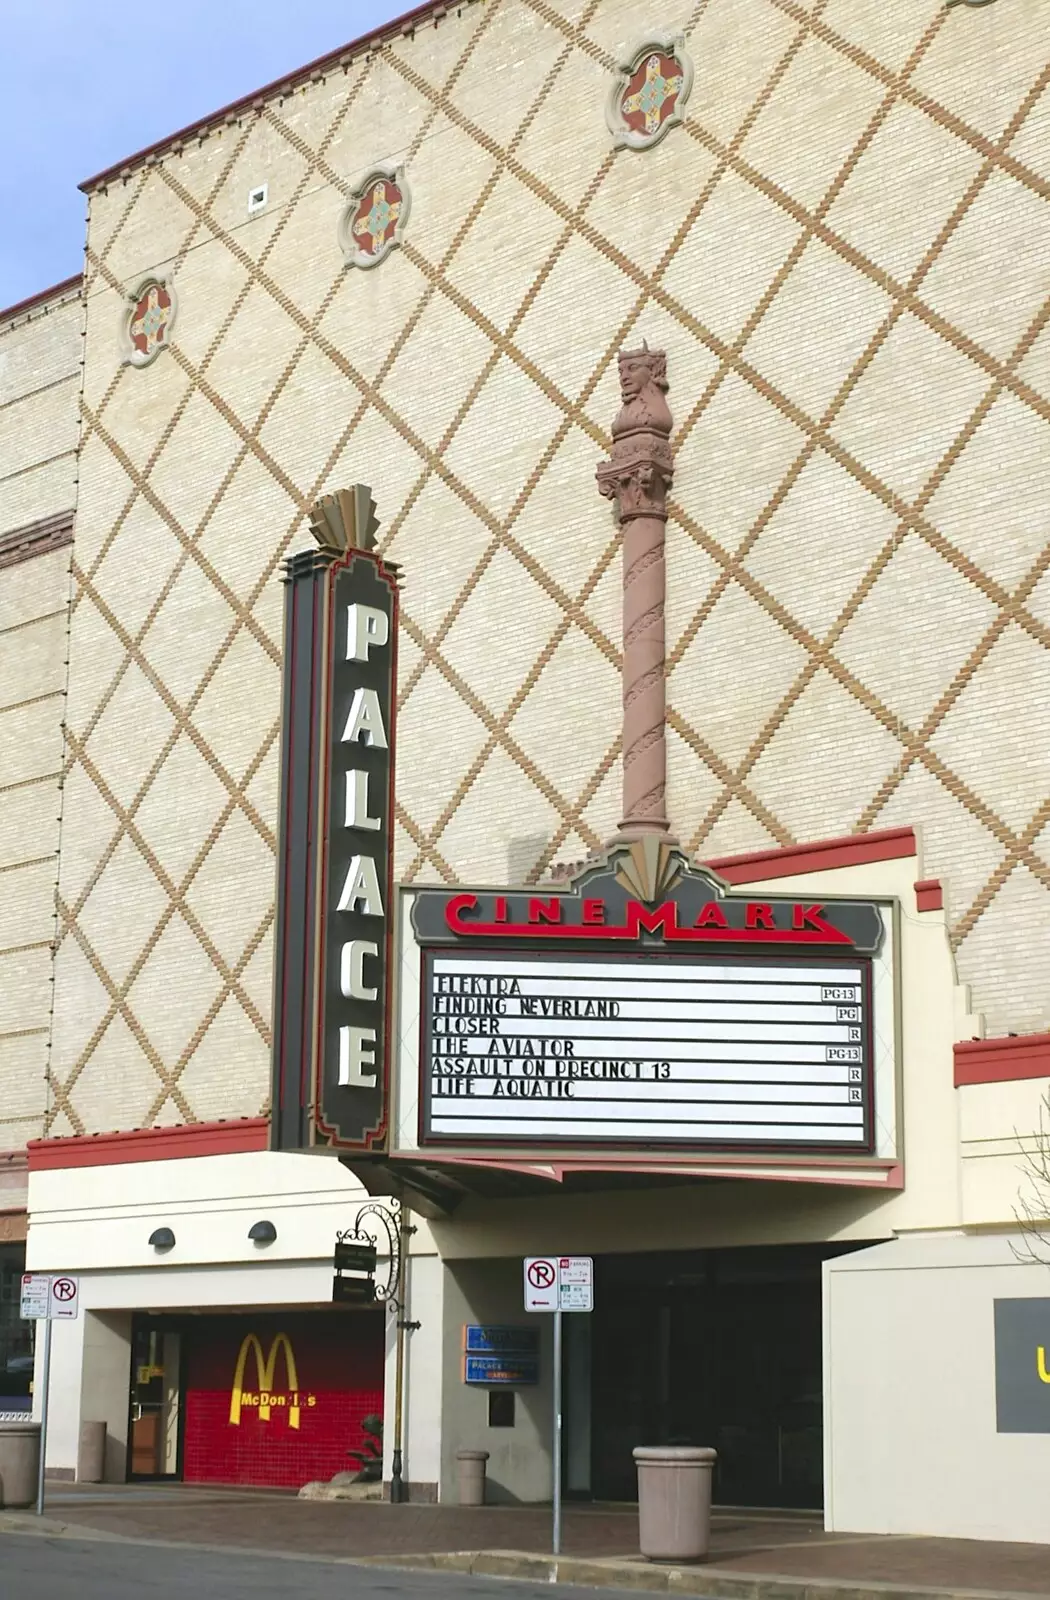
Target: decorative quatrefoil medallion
(149, 316)
(373, 222)
(650, 92)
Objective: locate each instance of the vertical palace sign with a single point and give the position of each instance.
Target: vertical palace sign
(335, 860)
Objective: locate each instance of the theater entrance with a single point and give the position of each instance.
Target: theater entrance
(718, 1347)
(154, 1420)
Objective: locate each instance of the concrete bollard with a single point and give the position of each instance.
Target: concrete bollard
(470, 1471)
(91, 1454)
(19, 1463)
(674, 1502)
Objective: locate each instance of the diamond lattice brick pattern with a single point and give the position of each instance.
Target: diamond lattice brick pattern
(857, 586)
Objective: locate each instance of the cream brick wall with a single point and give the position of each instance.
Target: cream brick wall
(39, 375)
(844, 252)
(39, 385)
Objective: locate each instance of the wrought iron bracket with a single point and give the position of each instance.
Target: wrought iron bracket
(373, 1222)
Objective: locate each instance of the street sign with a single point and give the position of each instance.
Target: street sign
(541, 1283)
(65, 1297)
(45, 1299)
(576, 1283)
(559, 1283)
(487, 1340)
(355, 1257)
(511, 1371)
(353, 1291)
(36, 1296)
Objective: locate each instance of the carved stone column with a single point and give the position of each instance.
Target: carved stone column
(637, 476)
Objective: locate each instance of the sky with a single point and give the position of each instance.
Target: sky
(85, 85)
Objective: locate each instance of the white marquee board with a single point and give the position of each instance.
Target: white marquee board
(726, 1051)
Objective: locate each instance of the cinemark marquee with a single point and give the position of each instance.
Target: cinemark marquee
(696, 1020)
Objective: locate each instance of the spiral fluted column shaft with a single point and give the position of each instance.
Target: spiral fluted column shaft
(637, 476)
(644, 701)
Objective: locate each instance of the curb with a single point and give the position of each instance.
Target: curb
(591, 1573)
(639, 1576)
(51, 1527)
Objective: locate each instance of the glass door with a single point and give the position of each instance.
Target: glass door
(719, 1347)
(153, 1435)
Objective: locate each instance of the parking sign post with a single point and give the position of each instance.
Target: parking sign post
(46, 1299)
(558, 1284)
(556, 1540)
(46, 1388)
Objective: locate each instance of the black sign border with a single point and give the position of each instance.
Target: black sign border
(583, 951)
(377, 1137)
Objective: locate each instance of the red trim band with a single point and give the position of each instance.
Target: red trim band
(929, 896)
(823, 856)
(36, 539)
(150, 1144)
(1026, 1055)
(38, 299)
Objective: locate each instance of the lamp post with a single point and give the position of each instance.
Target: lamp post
(393, 1220)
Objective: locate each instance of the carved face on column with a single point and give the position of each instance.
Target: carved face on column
(639, 368)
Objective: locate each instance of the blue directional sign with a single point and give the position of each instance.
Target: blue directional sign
(485, 1340)
(513, 1372)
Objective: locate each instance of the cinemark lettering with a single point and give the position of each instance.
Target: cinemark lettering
(562, 917)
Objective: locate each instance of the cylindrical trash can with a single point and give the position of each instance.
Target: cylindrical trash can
(674, 1501)
(91, 1454)
(470, 1469)
(19, 1463)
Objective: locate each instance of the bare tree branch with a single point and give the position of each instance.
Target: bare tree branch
(1033, 1202)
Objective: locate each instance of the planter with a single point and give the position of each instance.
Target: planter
(91, 1455)
(470, 1471)
(19, 1463)
(674, 1502)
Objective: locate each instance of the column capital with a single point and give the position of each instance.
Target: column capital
(640, 468)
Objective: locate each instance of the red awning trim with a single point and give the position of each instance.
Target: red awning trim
(824, 855)
(1024, 1055)
(150, 1144)
(929, 895)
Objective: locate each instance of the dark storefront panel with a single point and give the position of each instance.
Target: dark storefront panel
(16, 1336)
(721, 1348)
(278, 1400)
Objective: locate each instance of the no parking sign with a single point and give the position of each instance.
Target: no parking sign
(559, 1283)
(65, 1297)
(49, 1299)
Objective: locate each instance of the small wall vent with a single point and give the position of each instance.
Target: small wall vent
(257, 198)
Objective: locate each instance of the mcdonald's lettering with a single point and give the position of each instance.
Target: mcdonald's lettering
(1040, 1365)
(265, 1397)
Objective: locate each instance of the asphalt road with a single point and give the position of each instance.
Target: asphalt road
(36, 1568)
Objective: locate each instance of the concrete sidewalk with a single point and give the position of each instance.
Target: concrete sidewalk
(753, 1556)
